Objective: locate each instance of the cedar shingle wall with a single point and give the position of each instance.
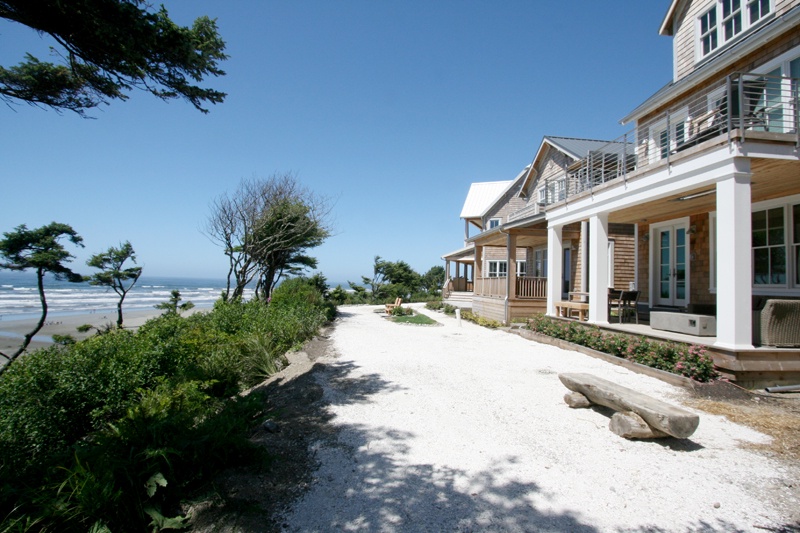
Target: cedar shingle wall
(700, 265)
(684, 34)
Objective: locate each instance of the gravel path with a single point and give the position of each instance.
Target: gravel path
(462, 428)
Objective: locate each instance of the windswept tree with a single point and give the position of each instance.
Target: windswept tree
(265, 228)
(433, 280)
(113, 275)
(39, 250)
(173, 306)
(378, 280)
(108, 47)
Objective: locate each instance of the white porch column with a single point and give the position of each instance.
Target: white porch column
(584, 244)
(734, 268)
(511, 263)
(598, 268)
(555, 267)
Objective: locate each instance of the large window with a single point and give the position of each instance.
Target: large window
(498, 269)
(726, 21)
(775, 237)
(769, 247)
(540, 263)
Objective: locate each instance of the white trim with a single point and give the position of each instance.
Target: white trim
(654, 282)
(746, 28)
(497, 220)
(712, 252)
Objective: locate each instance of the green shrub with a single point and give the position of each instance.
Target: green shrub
(92, 431)
(434, 305)
(686, 360)
(402, 311)
(481, 321)
(449, 309)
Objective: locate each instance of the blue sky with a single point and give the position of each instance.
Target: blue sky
(391, 109)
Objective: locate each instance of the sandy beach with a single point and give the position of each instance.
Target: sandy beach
(13, 331)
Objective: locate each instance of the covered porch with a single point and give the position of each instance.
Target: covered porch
(511, 270)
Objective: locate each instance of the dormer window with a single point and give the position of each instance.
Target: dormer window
(494, 222)
(726, 21)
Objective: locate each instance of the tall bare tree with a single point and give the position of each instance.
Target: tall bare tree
(265, 228)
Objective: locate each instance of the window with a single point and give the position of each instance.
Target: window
(498, 269)
(731, 19)
(757, 9)
(543, 195)
(775, 256)
(522, 268)
(726, 21)
(769, 247)
(708, 31)
(540, 263)
(494, 222)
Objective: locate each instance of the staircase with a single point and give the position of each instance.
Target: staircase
(459, 299)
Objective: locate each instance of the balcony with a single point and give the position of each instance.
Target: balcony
(741, 106)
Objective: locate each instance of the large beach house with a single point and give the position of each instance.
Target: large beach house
(697, 208)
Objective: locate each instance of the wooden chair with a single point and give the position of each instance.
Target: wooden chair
(396, 303)
(628, 304)
(613, 300)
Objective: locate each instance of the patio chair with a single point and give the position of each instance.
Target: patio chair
(396, 303)
(613, 300)
(628, 304)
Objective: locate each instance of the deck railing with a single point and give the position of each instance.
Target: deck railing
(497, 287)
(739, 105)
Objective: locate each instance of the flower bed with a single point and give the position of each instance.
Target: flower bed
(682, 359)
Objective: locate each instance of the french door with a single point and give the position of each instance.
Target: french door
(671, 262)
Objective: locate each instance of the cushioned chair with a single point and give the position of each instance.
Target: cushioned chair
(779, 323)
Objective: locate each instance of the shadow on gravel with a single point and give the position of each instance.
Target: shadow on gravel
(719, 526)
(363, 488)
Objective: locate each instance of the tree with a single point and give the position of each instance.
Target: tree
(433, 280)
(403, 280)
(108, 47)
(265, 228)
(378, 280)
(39, 249)
(173, 306)
(112, 274)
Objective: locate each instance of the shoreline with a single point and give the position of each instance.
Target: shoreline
(13, 331)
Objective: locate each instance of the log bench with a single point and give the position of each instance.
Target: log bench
(564, 308)
(638, 415)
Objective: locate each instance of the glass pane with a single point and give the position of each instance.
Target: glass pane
(759, 238)
(778, 265)
(796, 263)
(680, 255)
(680, 237)
(775, 224)
(665, 239)
(796, 222)
(665, 273)
(665, 290)
(761, 266)
(759, 220)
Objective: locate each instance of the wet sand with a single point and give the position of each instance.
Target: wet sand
(13, 331)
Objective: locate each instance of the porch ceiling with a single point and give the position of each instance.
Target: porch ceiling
(772, 178)
(526, 237)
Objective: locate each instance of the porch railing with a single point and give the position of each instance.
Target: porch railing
(527, 287)
(740, 105)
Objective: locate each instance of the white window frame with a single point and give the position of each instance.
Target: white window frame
(497, 268)
(723, 39)
(543, 195)
(522, 268)
(792, 286)
(494, 222)
(540, 262)
(664, 141)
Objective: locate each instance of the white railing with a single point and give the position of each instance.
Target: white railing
(740, 105)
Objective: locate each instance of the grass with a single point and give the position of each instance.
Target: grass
(415, 319)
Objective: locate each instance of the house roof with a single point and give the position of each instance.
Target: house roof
(666, 24)
(571, 146)
(481, 195)
(718, 63)
(575, 148)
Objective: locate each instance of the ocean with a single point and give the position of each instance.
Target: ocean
(19, 297)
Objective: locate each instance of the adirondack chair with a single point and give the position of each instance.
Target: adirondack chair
(396, 303)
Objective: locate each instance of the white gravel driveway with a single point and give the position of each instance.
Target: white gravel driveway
(462, 428)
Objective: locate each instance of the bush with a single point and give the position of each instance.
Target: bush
(449, 309)
(434, 305)
(114, 430)
(686, 360)
(481, 321)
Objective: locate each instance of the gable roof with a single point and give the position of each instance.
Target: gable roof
(571, 146)
(481, 195)
(666, 24)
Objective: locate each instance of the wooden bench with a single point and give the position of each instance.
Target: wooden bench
(639, 416)
(565, 309)
(396, 303)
